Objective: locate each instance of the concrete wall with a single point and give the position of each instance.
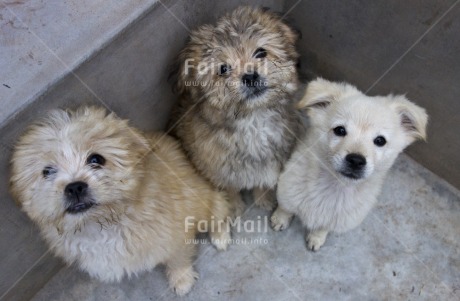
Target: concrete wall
(410, 47)
(130, 77)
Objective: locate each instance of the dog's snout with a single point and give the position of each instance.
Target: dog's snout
(76, 189)
(77, 197)
(355, 161)
(251, 79)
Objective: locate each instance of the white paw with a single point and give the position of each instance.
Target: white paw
(182, 280)
(315, 240)
(222, 240)
(280, 220)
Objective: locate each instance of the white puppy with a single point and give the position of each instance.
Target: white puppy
(334, 176)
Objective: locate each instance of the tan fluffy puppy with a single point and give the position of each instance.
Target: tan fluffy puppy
(235, 116)
(335, 175)
(112, 200)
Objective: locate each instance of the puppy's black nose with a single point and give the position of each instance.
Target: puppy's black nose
(251, 79)
(76, 189)
(355, 161)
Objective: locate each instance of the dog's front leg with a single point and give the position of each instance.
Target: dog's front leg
(315, 239)
(179, 269)
(281, 219)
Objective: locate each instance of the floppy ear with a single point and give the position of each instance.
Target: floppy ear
(290, 33)
(321, 93)
(413, 118)
(134, 140)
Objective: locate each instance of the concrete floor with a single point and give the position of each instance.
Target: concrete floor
(408, 248)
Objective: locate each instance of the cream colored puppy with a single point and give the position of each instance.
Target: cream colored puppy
(113, 200)
(334, 176)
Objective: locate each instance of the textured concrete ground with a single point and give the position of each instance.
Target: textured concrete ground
(408, 248)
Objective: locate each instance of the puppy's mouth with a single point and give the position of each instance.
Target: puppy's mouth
(355, 175)
(79, 207)
(255, 91)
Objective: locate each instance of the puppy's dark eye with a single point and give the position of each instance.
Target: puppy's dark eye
(224, 69)
(96, 160)
(48, 171)
(380, 141)
(340, 131)
(260, 53)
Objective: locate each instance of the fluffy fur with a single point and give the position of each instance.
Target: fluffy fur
(131, 217)
(327, 184)
(236, 117)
